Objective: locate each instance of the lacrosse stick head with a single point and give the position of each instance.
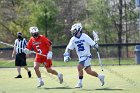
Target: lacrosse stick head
(95, 36)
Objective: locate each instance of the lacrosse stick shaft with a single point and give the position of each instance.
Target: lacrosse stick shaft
(99, 60)
(96, 38)
(20, 48)
(6, 44)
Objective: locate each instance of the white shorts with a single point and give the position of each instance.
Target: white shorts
(85, 61)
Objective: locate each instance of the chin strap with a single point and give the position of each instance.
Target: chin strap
(78, 36)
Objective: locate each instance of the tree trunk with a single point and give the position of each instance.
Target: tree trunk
(120, 31)
(46, 23)
(126, 41)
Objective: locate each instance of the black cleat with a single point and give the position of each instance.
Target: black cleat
(19, 76)
(29, 74)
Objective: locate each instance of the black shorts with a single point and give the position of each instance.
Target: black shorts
(20, 59)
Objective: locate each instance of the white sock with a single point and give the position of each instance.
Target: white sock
(40, 79)
(58, 74)
(100, 75)
(80, 80)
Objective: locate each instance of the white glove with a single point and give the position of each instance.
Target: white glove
(66, 57)
(49, 55)
(27, 51)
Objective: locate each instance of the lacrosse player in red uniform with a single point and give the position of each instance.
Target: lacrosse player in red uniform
(42, 46)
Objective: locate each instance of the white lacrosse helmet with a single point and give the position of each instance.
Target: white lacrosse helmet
(76, 28)
(33, 29)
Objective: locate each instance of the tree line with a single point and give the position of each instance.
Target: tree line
(116, 21)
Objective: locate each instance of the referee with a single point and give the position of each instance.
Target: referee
(20, 59)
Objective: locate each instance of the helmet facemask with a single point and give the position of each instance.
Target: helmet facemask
(73, 32)
(35, 35)
(34, 32)
(76, 30)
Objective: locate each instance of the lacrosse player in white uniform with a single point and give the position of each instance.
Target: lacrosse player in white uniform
(82, 43)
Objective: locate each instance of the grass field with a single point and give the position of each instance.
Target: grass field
(111, 61)
(119, 79)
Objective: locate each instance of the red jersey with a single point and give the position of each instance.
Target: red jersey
(39, 45)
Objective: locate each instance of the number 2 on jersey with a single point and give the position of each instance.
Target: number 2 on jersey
(80, 47)
(38, 49)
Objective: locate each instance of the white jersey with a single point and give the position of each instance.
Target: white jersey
(81, 45)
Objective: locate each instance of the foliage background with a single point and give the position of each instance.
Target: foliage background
(116, 21)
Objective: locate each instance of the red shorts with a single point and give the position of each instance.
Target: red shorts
(45, 61)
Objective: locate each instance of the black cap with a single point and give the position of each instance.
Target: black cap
(19, 33)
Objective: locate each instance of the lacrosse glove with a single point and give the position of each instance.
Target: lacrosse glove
(49, 55)
(66, 57)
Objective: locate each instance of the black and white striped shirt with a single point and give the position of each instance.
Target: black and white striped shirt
(20, 45)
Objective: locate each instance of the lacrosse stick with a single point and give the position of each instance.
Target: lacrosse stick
(21, 48)
(96, 38)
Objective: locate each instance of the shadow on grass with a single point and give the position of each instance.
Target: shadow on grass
(59, 88)
(110, 89)
(103, 89)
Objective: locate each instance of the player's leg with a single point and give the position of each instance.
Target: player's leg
(18, 64)
(36, 68)
(90, 72)
(54, 72)
(24, 64)
(80, 74)
(93, 73)
(19, 72)
(101, 77)
(28, 71)
(48, 64)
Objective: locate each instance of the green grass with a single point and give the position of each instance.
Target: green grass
(119, 79)
(107, 61)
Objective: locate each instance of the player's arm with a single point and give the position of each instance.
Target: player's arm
(48, 43)
(28, 48)
(14, 50)
(67, 51)
(67, 55)
(25, 43)
(92, 43)
(49, 55)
